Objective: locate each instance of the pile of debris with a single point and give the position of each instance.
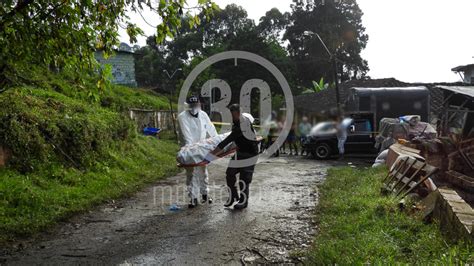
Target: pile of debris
(461, 167)
(404, 128)
(438, 171)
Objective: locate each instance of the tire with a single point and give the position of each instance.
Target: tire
(322, 151)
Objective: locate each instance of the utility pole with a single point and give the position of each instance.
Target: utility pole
(170, 77)
(335, 69)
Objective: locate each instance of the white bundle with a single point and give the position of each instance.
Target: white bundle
(195, 153)
(380, 160)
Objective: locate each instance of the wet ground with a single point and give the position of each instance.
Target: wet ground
(144, 230)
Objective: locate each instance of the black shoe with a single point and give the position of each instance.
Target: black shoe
(205, 199)
(241, 205)
(193, 203)
(243, 202)
(230, 202)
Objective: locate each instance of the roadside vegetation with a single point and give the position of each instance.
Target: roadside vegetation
(70, 150)
(357, 225)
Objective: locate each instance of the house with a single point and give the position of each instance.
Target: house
(466, 72)
(122, 63)
(323, 103)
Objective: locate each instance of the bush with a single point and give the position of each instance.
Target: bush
(40, 126)
(70, 151)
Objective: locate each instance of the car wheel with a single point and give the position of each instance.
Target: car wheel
(322, 151)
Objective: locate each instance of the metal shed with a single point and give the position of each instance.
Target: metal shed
(458, 110)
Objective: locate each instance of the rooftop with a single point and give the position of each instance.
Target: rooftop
(462, 68)
(465, 90)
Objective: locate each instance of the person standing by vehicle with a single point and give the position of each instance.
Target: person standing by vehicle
(195, 126)
(342, 128)
(291, 139)
(281, 125)
(304, 129)
(244, 136)
(271, 126)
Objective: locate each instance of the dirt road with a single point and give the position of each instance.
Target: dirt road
(143, 230)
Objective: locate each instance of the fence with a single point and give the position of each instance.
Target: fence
(153, 118)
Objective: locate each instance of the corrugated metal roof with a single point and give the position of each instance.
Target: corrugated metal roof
(325, 100)
(388, 89)
(462, 68)
(465, 90)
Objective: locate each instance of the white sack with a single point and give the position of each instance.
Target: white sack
(380, 160)
(195, 153)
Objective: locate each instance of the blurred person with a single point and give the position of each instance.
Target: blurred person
(281, 125)
(304, 129)
(272, 126)
(342, 128)
(195, 126)
(291, 139)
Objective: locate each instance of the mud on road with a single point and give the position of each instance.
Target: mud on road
(143, 230)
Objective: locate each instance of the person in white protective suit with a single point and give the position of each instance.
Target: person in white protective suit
(195, 126)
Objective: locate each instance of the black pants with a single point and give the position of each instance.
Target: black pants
(245, 178)
(271, 140)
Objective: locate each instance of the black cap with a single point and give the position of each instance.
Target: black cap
(193, 99)
(234, 107)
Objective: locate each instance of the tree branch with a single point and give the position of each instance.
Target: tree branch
(19, 6)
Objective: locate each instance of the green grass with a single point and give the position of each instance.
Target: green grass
(79, 85)
(70, 153)
(30, 202)
(357, 226)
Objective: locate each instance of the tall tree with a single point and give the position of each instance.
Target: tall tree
(66, 33)
(339, 23)
(230, 29)
(273, 24)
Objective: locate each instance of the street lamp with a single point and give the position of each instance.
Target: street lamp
(171, 95)
(334, 62)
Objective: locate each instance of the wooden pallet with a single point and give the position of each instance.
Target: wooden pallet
(407, 174)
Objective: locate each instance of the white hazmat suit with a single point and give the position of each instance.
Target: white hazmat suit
(195, 128)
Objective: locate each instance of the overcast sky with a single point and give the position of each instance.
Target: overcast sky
(411, 40)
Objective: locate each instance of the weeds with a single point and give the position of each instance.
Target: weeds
(359, 226)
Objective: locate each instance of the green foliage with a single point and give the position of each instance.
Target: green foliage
(40, 125)
(59, 122)
(57, 34)
(230, 29)
(359, 226)
(339, 24)
(29, 203)
(69, 152)
(121, 98)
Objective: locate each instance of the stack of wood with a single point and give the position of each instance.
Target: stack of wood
(408, 171)
(396, 150)
(461, 166)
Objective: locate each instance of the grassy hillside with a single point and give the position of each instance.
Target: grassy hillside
(69, 153)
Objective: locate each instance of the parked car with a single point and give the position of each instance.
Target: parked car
(322, 141)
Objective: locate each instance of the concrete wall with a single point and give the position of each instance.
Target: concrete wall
(123, 67)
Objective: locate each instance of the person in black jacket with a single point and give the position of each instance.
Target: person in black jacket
(244, 136)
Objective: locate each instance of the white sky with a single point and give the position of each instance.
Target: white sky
(410, 40)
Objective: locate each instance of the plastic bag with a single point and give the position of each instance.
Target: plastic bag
(195, 153)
